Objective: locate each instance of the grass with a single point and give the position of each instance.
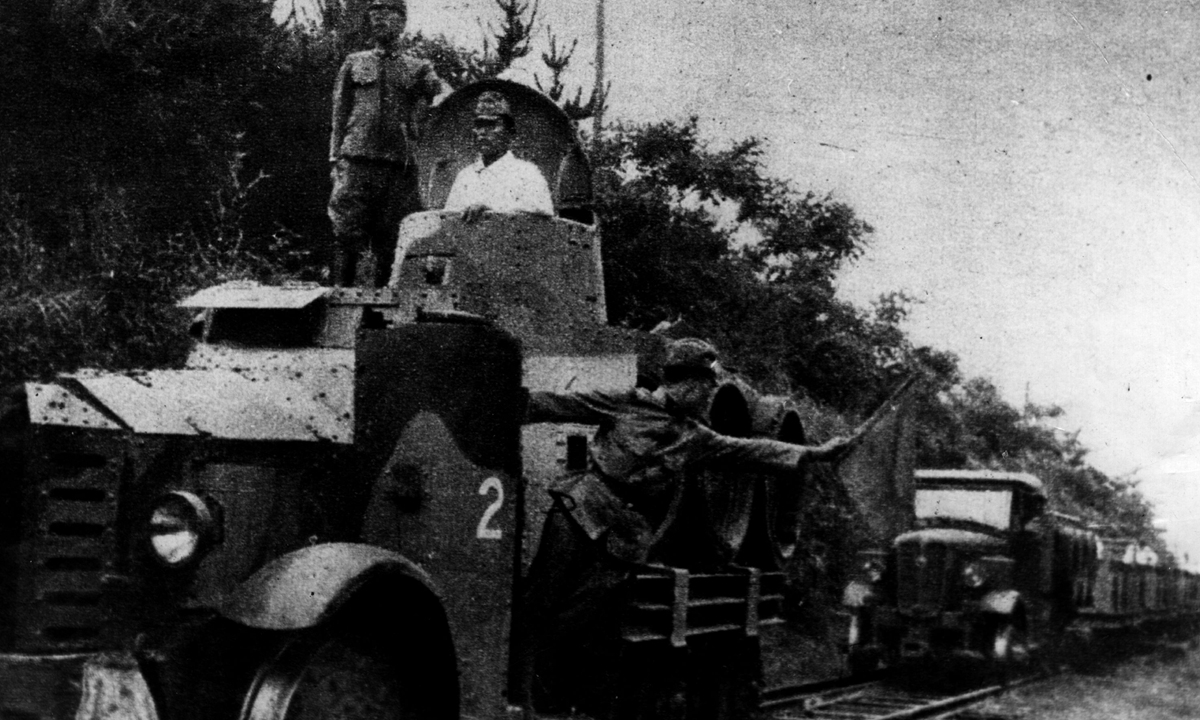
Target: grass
(1160, 684)
(102, 294)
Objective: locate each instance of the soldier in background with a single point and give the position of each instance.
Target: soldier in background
(603, 520)
(378, 101)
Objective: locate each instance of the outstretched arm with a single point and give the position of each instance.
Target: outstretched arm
(762, 454)
(587, 408)
(835, 449)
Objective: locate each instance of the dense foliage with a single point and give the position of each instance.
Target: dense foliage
(134, 133)
(154, 146)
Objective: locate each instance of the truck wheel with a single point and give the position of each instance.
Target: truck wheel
(343, 675)
(862, 661)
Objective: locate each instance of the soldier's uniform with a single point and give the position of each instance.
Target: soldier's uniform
(378, 100)
(641, 447)
(603, 520)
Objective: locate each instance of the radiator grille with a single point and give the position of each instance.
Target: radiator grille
(923, 577)
(69, 550)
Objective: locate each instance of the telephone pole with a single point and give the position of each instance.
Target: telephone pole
(598, 116)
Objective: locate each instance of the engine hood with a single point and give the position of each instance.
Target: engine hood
(313, 403)
(953, 537)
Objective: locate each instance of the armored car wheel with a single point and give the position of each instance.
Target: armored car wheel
(338, 675)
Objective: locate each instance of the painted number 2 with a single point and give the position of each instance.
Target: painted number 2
(484, 532)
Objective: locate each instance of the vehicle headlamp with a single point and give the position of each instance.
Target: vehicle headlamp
(974, 575)
(183, 527)
(871, 565)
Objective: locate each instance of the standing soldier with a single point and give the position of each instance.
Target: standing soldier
(378, 101)
(604, 520)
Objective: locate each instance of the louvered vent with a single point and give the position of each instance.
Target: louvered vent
(71, 548)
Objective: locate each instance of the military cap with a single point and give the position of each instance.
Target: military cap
(397, 5)
(492, 105)
(691, 354)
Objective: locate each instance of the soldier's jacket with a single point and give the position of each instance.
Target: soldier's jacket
(377, 101)
(641, 449)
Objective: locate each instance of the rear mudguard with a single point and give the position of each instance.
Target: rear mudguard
(305, 587)
(1000, 602)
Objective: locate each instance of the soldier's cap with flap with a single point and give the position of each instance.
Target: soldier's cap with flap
(492, 105)
(690, 356)
(397, 5)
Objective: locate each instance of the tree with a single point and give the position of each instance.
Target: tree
(704, 234)
(125, 174)
(164, 144)
(971, 426)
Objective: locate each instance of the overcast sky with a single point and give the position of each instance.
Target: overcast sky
(1030, 169)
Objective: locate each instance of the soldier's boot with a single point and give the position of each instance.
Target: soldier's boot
(383, 271)
(344, 267)
(382, 251)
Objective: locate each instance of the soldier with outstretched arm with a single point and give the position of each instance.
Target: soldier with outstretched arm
(603, 520)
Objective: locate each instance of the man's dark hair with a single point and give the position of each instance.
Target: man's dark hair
(508, 120)
(396, 5)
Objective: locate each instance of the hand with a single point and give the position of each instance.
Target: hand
(836, 449)
(473, 213)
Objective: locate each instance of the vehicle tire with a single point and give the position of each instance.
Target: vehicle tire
(341, 674)
(862, 661)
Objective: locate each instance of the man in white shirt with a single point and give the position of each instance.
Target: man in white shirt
(497, 180)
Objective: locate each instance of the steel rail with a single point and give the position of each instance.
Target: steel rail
(842, 700)
(808, 694)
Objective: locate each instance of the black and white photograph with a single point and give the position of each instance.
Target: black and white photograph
(599, 360)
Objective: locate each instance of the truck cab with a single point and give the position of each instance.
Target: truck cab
(985, 572)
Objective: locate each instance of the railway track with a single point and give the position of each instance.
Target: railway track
(879, 699)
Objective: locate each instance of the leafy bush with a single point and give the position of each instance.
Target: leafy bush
(105, 297)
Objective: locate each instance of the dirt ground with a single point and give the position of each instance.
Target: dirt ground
(1155, 684)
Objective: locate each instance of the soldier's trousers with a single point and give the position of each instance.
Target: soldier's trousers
(369, 199)
(567, 630)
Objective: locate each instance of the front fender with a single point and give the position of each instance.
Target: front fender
(304, 587)
(1000, 602)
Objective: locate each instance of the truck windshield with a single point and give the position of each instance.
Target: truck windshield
(990, 507)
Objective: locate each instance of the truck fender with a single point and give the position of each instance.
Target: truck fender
(1000, 602)
(858, 594)
(303, 588)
